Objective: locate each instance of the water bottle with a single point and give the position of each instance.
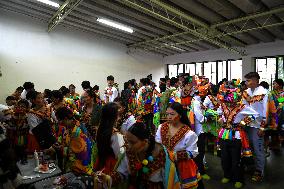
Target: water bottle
(36, 159)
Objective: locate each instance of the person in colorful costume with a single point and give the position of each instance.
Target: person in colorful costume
(74, 96)
(145, 103)
(90, 113)
(212, 113)
(166, 97)
(274, 115)
(109, 140)
(58, 101)
(19, 124)
(38, 113)
(197, 119)
(125, 118)
(78, 150)
(232, 136)
(181, 142)
(257, 98)
(111, 92)
(145, 163)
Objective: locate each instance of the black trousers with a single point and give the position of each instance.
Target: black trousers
(231, 159)
(8, 160)
(201, 153)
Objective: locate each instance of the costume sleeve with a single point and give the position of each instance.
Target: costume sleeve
(244, 101)
(220, 111)
(114, 94)
(198, 114)
(158, 137)
(117, 144)
(191, 150)
(207, 102)
(33, 120)
(264, 110)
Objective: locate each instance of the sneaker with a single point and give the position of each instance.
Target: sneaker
(238, 185)
(225, 180)
(205, 177)
(257, 176)
(267, 154)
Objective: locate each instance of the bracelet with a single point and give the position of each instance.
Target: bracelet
(262, 129)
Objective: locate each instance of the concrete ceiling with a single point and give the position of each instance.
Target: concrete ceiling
(174, 26)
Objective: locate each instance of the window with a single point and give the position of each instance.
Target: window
(199, 69)
(190, 68)
(266, 68)
(215, 71)
(210, 71)
(172, 69)
(235, 69)
(222, 70)
(280, 70)
(180, 69)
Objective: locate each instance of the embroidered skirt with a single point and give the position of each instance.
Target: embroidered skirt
(188, 173)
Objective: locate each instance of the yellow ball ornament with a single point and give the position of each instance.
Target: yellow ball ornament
(145, 162)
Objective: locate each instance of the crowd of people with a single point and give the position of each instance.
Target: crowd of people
(145, 136)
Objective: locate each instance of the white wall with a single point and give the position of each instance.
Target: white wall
(252, 51)
(64, 56)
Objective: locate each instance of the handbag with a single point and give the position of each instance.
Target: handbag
(43, 134)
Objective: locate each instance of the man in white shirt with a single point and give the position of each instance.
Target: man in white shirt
(256, 97)
(110, 92)
(199, 119)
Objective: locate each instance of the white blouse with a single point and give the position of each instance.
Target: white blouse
(127, 124)
(117, 144)
(188, 142)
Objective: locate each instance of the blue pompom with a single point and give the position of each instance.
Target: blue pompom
(150, 158)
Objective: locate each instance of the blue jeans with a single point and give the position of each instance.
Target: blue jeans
(257, 144)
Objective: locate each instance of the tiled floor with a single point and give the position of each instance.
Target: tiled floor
(274, 174)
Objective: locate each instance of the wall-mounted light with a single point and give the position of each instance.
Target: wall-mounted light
(115, 25)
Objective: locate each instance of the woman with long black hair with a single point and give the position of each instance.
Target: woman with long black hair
(145, 164)
(91, 112)
(109, 140)
(181, 141)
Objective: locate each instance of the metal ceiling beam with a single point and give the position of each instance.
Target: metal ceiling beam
(205, 28)
(227, 23)
(232, 32)
(62, 12)
(249, 17)
(183, 24)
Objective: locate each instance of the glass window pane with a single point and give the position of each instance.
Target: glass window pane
(266, 68)
(221, 70)
(199, 69)
(210, 71)
(190, 68)
(180, 69)
(271, 70)
(235, 69)
(172, 71)
(280, 68)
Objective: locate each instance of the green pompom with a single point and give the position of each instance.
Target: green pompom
(145, 170)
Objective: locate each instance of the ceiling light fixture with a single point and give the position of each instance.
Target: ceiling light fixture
(51, 3)
(115, 25)
(174, 47)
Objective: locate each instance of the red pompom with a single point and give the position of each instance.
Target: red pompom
(138, 166)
